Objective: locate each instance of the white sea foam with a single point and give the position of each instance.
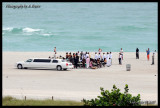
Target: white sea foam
(46, 34)
(8, 29)
(31, 30)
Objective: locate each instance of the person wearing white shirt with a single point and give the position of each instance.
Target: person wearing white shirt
(104, 56)
(87, 55)
(120, 58)
(78, 53)
(107, 56)
(54, 56)
(99, 56)
(96, 56)
(110, 56)
(121, 51)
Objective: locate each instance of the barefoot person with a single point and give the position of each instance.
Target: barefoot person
(148, 52)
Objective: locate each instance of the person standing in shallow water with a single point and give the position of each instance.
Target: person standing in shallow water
(137, 53)
(148, 52)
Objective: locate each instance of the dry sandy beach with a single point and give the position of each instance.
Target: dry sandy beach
(76, 84)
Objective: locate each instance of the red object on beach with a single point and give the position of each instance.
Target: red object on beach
(148, 56)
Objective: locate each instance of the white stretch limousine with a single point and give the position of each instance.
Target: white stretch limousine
(58, 64)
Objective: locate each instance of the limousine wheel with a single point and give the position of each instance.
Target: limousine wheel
(59, 68)
(19, 66)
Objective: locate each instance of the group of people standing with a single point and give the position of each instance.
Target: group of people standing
(87, 61)
(148, 55)
(100, 59)
(106, 58)
(74, 59)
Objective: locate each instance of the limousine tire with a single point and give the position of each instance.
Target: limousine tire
(59, 68)
(19, 66)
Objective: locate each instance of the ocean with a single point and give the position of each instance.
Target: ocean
(79, 26)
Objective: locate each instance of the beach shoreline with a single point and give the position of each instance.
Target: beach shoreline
(76, 84)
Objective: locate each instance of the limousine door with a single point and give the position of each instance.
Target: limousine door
(54, 63)
(41, 63)
(28, 63)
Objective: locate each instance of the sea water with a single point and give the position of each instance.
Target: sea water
(79, 26)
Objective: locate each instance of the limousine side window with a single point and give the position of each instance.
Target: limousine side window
(29, 60)
(42, 60)
(55, 61)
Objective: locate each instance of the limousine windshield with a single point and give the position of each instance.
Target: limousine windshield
(29, 60)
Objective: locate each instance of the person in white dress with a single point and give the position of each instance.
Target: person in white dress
(109, 62)
(87, 61)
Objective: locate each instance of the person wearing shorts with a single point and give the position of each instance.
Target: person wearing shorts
(148, 52)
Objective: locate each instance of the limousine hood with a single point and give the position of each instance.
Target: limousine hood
(20, 62)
